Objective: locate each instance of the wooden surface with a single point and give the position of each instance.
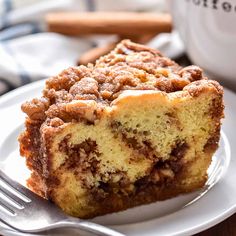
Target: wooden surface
(225, 228)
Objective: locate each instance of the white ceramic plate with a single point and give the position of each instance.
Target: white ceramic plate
(183, 215)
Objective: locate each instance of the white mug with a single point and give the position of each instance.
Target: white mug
(208, 29)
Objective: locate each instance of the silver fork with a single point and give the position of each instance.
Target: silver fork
(26, 212)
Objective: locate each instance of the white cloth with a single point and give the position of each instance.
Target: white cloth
(28, 53)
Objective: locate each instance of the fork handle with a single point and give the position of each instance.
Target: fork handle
(87, 226)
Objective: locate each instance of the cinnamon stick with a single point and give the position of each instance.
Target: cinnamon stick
(121, 23)
(93, 54)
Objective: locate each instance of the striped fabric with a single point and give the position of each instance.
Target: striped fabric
(28, 53)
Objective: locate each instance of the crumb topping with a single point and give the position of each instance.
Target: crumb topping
(129, 66)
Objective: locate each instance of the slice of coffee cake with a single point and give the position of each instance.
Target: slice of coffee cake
(132, 129)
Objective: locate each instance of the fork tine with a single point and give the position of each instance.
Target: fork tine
(6, 208)
(11, 198)
(17, 189)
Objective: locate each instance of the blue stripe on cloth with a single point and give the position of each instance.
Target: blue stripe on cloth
(9, 86)
(19, 30)
(4, 18)
(22, 73)
(4, 22)
(90, 5)
(7, 5)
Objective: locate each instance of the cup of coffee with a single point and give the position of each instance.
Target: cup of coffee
(208, 30)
